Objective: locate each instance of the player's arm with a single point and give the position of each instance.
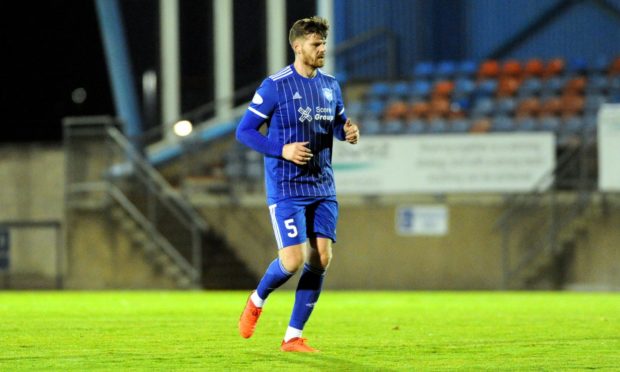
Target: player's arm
(248, 133)
(344, 129)
(261, 108)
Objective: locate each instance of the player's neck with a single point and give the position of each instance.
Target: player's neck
(304, 70)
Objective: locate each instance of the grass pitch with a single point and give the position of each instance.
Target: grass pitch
(356, 331)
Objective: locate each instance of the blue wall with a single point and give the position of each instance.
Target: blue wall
(585, 30)
(458, 29)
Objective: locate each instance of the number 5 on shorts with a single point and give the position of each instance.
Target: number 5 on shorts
(289, 226)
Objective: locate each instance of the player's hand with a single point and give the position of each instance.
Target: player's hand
(351, 132)
(297, 152)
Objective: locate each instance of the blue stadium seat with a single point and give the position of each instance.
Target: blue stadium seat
(400, 89)
(549, 124)
(502, 124)
(483, 107)
(421, 88)
(467, 69)
(459, 126)
(437, 125)
(600, 65)
(486, 88)
(590, 123)
(461, 103)
(416, 126)
(576, 66)
(379, 90)
(370, 125)
(614, 85)
(392, 127)
(463, 86)
(525, 124)
(593, 102)
(572, 125)
(552, 86)
(423, 70)
(355, 109)
(597, 84)
(530, 87)
(376, 106)
(445, 70)
(505, 106)
(254, 165)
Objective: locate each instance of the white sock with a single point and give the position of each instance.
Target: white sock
(258, 302)
(292, 333)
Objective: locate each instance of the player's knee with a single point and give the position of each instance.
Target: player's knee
(292, 259)
(326, 259)
(321, 259)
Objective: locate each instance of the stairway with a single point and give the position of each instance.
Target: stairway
(222, 269)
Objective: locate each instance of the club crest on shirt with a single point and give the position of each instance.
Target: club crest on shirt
(327, 93)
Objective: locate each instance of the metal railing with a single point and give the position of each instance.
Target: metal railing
(535, 225)
(374, 51)
(103, 166)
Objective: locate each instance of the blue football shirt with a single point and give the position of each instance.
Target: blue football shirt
(297, 109)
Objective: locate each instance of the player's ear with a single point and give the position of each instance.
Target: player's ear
(297, 46)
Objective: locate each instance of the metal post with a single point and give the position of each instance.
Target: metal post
(325, 9)
(119, 66)
(276, 35)
(224, 54)
(197, 255)
(505, 256)
(170, 70)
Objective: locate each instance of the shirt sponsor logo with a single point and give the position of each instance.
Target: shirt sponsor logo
(321, 113)
(305, 114)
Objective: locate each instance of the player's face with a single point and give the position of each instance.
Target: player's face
(313, 51)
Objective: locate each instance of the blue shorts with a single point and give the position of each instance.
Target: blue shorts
(298, 218)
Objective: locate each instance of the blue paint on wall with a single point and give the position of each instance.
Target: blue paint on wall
(472, 29)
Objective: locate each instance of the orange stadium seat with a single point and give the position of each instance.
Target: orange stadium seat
(576, 85)
(489, 69)
(396, 110)
(512, 68)
(551, 106)
(482, 125)
(439, 107)
(614, 69)
(534, 67)
(418, 110)
(528, 107)
(572, 105)
(443, 88)
(508, 86)
(554, 67)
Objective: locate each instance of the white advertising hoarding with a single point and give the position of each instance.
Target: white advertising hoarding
(460, 163)
(609, 147)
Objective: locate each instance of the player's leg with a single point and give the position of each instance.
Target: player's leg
(322, 219)
(309, 286)
(289, 228)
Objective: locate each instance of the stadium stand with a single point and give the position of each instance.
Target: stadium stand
(558, 95)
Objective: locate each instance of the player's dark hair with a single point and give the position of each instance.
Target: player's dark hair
(308, 26)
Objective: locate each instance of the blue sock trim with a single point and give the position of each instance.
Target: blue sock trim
(314, 270)
(284, 271)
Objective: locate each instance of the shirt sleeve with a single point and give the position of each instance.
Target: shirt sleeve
(261, 108)
(341, 117)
